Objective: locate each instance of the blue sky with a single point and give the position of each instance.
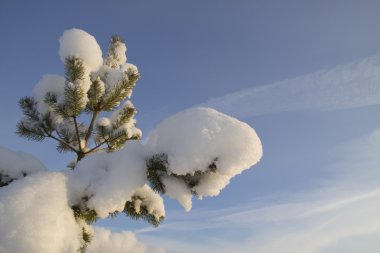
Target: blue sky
(304, 74)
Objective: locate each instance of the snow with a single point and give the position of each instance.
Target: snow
(106, 241)
(104, 122)
(110, 76)
(54, 84)
(15, 165)
(211, 184)
(151, 200)
(117, 56)
(35, 217)
(109, 180)
(78, 43)
(198, 137)
(195, 137)
(126, 67)
(177, 189)
(120, 51)
(117, 114)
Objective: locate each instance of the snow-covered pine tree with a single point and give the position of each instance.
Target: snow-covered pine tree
(86, 93)
(88, 112)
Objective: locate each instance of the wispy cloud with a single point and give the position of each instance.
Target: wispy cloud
(349, 85)
(337, 217)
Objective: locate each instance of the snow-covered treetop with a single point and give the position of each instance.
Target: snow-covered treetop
(91, 85)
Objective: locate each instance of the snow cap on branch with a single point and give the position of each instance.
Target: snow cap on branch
(151, 200)
(110, 76)
(53, 84)
(78, 43)
(205, 149)
(116, 52)
(104, 122)
(195, 137)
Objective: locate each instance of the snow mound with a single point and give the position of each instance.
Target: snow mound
(35, 216)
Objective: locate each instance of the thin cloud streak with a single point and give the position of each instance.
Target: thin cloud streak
(349, 85)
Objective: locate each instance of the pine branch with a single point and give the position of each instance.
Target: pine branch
(157, 166)
(29, 108)
(117, 143)
(77, 133)
(124, 115)
(142, 213)
(74, 69)
(95, 94)
(62, 142)
(74, 100)
(112, 59)
(52, 101)
(113, 98)
(102, 143)
(31, 134)
(91, 126)
(96, 151)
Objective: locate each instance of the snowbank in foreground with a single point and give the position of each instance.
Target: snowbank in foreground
(35, 216)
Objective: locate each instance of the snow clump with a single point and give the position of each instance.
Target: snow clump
(78, 43)
(205, 142)
(53, 84)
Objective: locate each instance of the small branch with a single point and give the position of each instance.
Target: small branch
(63, 142)
(77, 133)
(100, 144)
(96, 151)
(97, 146)
(59, 135)
(89, 130)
